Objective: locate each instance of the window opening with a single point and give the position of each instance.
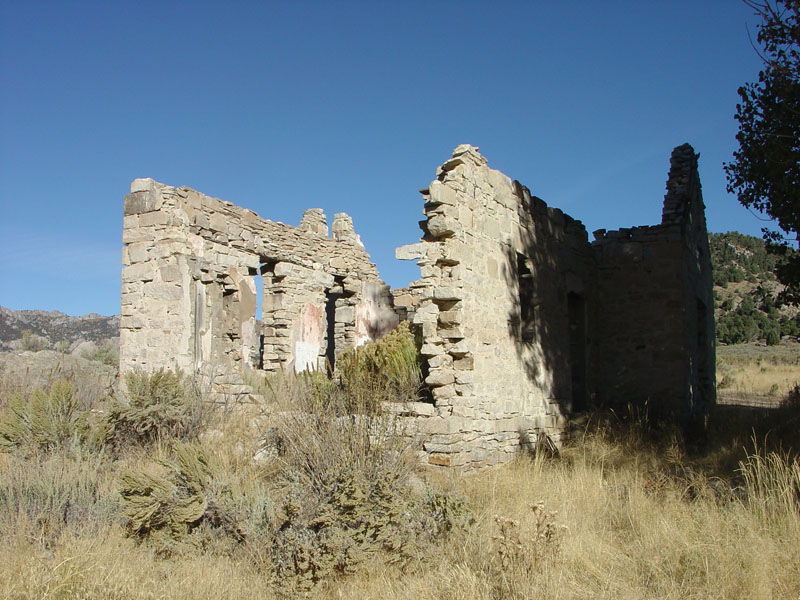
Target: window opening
(526, 297)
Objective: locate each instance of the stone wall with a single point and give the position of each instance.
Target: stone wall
(655, 299)
(524, 322)
(499, 269)
(189, 293)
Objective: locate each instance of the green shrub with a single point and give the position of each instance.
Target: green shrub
(773, 337)
(348, 497)
(345, 520)
(157, 406)
(446, 511)
(388, 369)
(108, 355)
(169, 500)
(44, 421)
(334, 526)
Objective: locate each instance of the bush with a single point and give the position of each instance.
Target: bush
(45, 421)
(344, 493)
(388, 369)
(773, 337)
(31, 342)
(168, 500)
(43, 497)
(347, 496)
(157, 406)
(108, 355)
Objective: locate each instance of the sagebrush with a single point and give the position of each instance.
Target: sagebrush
(45, 420)
(307, 492)
(156, 407)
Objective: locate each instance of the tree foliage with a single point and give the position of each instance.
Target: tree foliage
(765, 172)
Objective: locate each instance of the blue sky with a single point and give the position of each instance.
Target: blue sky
(347, 106)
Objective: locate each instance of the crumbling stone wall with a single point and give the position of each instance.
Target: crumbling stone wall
(524, 322)
(498, 267)
(656, 333)
(189, 295)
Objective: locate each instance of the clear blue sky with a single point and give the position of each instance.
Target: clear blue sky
(347, 106)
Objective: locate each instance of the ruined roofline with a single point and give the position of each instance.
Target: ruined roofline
(683, 190)
(637, 232)
(467, 154)
(176, 219)
(313, 220)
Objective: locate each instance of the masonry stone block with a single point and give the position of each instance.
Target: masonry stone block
(345, 314)
(140, 202)
(411, 251)
(441, 226)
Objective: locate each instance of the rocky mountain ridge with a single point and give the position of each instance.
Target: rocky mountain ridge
(41, 329)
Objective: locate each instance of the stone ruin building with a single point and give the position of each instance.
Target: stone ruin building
(523, 321)
(189, 294)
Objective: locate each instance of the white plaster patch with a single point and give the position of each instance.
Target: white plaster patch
(312, 332)
(363, 318)
(305, 356)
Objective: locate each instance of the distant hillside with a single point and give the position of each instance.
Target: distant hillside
(746, 301)
(41, 329)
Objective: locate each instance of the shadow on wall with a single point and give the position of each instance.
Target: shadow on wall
(538, 318)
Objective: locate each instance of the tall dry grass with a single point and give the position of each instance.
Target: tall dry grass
(762, 373)
(614, 516)
(637, 526)
(632, 531)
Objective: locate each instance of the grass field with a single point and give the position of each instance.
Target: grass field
(634, 526)
(618, 514)
(757, 373)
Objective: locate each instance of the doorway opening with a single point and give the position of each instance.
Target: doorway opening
(576, 309)
(332, 296)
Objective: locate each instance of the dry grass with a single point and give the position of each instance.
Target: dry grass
(614, 516)
(629, 536)
(762, 374)
(634, 530)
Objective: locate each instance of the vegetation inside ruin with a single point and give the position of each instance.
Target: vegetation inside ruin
(307, 492)
(386, 370)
